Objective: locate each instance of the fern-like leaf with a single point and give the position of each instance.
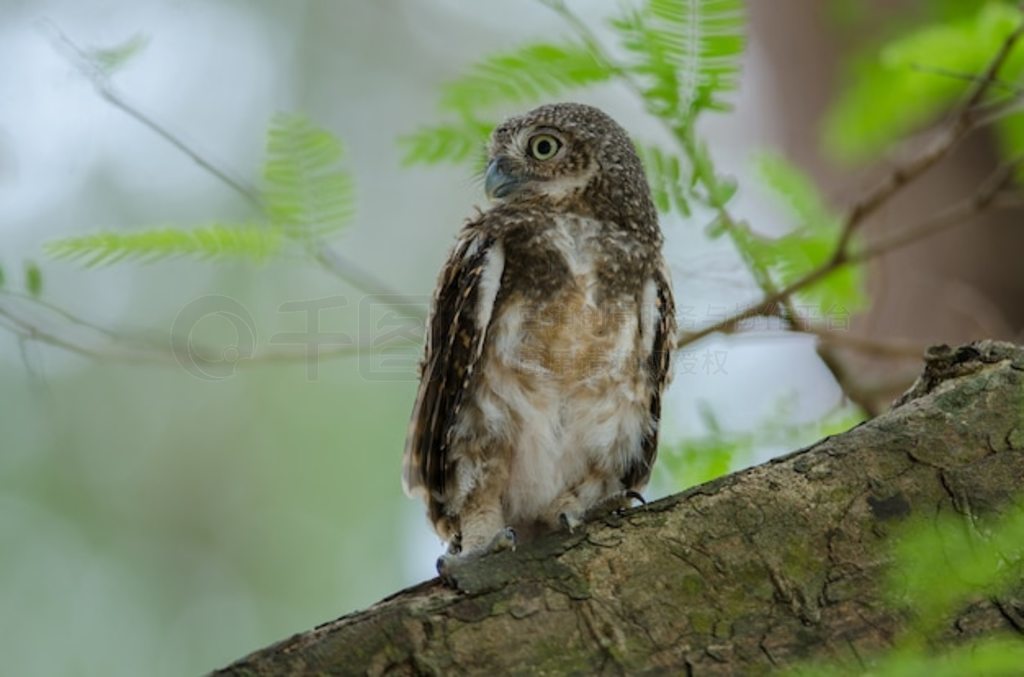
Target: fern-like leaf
(154, 244)
(686, 51)
(529, 73)
(664, 175)
(307, 192)
(455, 143)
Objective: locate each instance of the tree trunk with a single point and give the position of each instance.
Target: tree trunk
(763, 568)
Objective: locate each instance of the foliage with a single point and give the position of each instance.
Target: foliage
(527, 74)
(915, 78)
(33, 278)
(447, 142)
(809, 244)
(992, 656)
(976, 560)
(153, 244)
(685, 52)
(307, 194)
(665, 174)
(683, 59)
(940, 566)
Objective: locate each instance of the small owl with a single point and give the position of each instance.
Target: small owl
(549, 340)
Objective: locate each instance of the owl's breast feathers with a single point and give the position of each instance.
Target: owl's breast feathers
(547, 352)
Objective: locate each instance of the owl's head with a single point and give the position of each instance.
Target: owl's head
(571, 156)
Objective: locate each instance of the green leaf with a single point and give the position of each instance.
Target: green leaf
(999, 655)
(529, 73)
(154, 244)
(111, 59)
(307, 193)
(33, 278)
(686, 52)
(447, 143)
(664, 175)
(808, 245)
(942, 564)
(2, 279)
(915, 78)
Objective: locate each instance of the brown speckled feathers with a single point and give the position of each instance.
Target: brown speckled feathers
(549, 342)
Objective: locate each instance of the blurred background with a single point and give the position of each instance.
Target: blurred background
(159, 518)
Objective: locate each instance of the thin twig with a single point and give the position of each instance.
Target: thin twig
(122, 347)
(973, 78)
(982, 200)
(884, 349)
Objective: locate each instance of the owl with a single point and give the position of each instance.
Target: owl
(549, 341)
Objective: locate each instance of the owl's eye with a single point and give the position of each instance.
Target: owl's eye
(544, 146)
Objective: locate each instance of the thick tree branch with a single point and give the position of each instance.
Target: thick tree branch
(762, 569)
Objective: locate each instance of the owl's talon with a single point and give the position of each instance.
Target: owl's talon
(626, 497)
(503, 540)
(570, 521)
(449, 564)
(636, 496)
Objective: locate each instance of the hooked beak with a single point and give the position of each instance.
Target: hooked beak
(498, 183)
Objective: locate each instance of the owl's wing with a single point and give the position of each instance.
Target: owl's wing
(658, 336)
(461, 314)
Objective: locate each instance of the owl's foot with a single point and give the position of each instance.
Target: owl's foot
(616, 503)
(451, 563)
(635, 496)
(503, 540)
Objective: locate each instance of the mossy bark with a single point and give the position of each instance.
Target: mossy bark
(757, 570)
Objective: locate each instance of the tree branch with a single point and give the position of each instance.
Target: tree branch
(135, 347)
(983, 200)
(754, 572)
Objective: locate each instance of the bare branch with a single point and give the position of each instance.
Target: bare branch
(885, 349)
(136, 348)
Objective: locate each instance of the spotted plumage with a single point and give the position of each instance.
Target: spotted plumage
(548, 346)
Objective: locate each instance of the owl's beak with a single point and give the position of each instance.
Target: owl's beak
(498, 182)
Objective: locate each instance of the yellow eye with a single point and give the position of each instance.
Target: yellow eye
(544, 146)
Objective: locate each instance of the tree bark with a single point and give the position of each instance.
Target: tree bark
(761, 569)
